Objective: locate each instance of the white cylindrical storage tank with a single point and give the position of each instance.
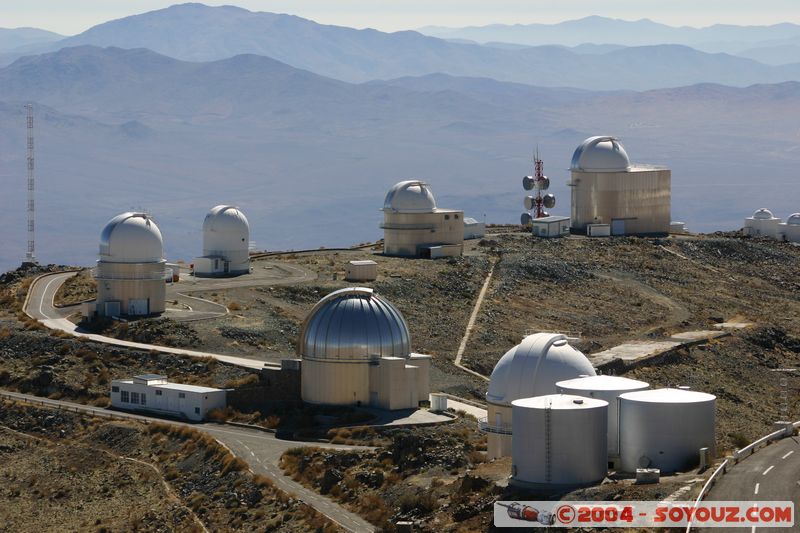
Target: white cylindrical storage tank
(438, 402)
(606, 388)
(665, 428)
(226, 235)
(559, 441)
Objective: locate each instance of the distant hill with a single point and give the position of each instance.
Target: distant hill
(310, 158)
(11, 38)
(602, 30)
(194, 32)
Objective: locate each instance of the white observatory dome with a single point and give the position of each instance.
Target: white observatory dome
(131, 238)
(534, 366)
(411, 196)
(225, 229)
(763, 214)
(600, 154)
(354, 324)
(793, 220)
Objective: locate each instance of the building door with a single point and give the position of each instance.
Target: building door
(138, 306)
(112, 309)
(617, 227)
(227, 266)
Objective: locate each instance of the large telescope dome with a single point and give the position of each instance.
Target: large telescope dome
(225, 229)
(412, 196)
(600, 154)
(131, 238)
(534, 366)
(354, 324)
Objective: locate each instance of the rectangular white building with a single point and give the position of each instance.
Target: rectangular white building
(152, 392)
(550, 227)
(364, 270)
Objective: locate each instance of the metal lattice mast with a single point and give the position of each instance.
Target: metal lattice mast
(30, 255)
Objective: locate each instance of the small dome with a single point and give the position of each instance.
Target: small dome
(411, 196)
(131, 238)
(225, 229)
(354, 324)
(226, 219)
(763, 214)
(793, 220)
(534, 366)
(600, 154)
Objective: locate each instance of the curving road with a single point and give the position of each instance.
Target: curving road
(261, 450)
(39, 305)
(771, 473)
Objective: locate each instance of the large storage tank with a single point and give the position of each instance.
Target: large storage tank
(665, 428)
(559, 441)
(606, 388)
(531, 368)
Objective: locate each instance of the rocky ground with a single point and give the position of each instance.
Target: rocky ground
(76, 289)
(67, 472)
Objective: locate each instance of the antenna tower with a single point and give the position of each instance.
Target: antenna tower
(537, 203)
(30, 256)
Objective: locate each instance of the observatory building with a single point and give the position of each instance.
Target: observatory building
(131, 271)
(762, 224)
(414, 227)
(559, 441)
(531, 368)
(790, 230)
(607, 188)
(226, 243)
(356, 350)
(608, 389)
(665, 428)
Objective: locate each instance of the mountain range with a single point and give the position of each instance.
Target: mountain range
(305, 126)
(195, 32)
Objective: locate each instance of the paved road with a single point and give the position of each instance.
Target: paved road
(770, 474)
(261, 450)
(40, 306)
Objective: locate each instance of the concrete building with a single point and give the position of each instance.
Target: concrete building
(607, 188)
(608, 389)
(790, 230)
(531, 368)
(550, 227)
(356, 350)
(363, 270)
(153, 393)
(474, 229)
(226, 243)
(414, 227)
(762, 224)
(665, 429)
(131, 272)
(559, 442)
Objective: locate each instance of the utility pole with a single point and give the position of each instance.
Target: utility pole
(30, 256)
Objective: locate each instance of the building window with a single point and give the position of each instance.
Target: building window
(456, 216)
(197, 410)
(144, 399)
(158, 393)
(135, 398)
(181, 395)
(447, 217)
(123, 396)
(114, 389)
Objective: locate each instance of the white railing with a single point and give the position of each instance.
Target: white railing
(722, 469)
(484, 426)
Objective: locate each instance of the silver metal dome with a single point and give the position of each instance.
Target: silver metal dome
(600, 154)
(411, 196)
(354, 324)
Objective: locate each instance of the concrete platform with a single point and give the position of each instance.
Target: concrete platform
(635, 351)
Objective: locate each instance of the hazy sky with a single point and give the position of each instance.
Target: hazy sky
(74, 16)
